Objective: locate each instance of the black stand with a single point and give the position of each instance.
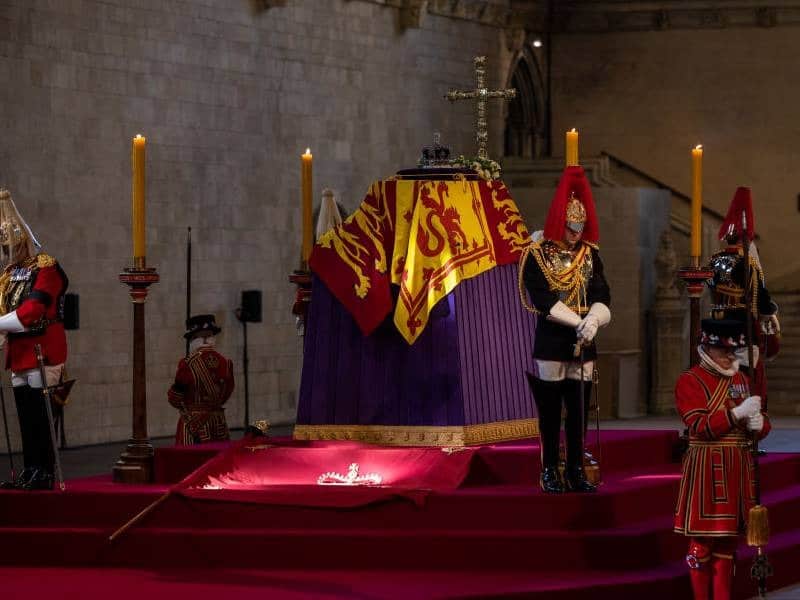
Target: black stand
(245, 363)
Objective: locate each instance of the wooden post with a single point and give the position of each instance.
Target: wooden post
(135, 464)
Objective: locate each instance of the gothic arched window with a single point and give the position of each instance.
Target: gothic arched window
(525, 123)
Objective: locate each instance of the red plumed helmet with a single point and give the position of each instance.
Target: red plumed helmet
(573, 182)
(742, 204)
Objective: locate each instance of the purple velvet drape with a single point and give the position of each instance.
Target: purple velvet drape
(466, 368)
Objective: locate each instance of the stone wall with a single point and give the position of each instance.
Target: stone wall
(649, 97)
(228, 97)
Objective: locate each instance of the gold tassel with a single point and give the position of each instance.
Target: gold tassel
(758, 526)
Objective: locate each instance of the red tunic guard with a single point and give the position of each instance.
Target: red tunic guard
(203, 383)
(717, 485)
(42, 284)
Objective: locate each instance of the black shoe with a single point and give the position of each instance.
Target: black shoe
(23, 478)
(551, 481)
(41, 480)
(575, 480)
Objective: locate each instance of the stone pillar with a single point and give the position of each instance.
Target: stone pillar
(666, 327)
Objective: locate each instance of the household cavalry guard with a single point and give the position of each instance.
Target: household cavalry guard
(562, 273)
(203, 384)
(32, 288)
(730, 286)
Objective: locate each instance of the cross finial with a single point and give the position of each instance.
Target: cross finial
(481, 94)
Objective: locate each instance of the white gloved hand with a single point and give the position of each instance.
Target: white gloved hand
(563, 315)
(755, 422)
(10, 323)
(749, 407)
(587, 328)
(770, 324)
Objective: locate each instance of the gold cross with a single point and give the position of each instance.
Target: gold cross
(481, 95)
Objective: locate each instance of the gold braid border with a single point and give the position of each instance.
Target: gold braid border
(423, 435)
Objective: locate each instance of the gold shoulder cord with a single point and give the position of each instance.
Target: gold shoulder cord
(754, 281)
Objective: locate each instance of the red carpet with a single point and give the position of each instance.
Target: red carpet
(495, 536)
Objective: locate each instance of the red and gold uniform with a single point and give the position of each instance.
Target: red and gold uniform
(32, 288)
(716, 489)
(35, 289)
(203, 383)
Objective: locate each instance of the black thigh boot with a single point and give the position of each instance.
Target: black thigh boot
(575, 427)
(27, 429)
(547, 395)
(43, 448)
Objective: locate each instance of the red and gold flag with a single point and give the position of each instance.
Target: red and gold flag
(423, 236)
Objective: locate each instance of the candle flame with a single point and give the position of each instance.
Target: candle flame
(573, 130)
(308, 150)
(698, 147)
(139, 136)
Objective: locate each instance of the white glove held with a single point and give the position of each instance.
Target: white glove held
(587, 328)
(770, 324)
(563, 315)
(749, 407)
(756, 422)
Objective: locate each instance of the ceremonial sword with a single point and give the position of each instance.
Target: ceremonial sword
(47, 400)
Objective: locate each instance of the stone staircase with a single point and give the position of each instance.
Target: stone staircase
(783, 372)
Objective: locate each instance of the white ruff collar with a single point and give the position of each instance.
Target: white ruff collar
(709, 364)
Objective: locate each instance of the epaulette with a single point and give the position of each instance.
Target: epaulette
(44, 260)
(592, 245)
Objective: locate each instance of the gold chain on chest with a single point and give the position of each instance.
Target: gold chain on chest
(14, 289)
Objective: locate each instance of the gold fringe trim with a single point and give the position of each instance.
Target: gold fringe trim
(422, 435)
(758, 526)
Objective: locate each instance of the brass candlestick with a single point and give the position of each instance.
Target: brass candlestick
(695, 279)
(135, 464)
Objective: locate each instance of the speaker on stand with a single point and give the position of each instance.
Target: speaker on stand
(249, 311)
(71, 317)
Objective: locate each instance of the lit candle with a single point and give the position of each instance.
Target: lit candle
(306, 180)
(572, 148)
(137, 206)
(697, 205)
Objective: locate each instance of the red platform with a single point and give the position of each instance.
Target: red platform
(495, 536)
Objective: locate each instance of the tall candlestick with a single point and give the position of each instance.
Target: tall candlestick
(137, 206)
(697, 205)
(306, 179)
(572, 148)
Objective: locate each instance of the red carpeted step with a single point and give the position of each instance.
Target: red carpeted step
(626, 497)
(642, 545)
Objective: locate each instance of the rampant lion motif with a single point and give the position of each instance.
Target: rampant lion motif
(449, 220)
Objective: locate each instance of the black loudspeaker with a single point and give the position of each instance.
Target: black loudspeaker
(251, 306)
(72, 319)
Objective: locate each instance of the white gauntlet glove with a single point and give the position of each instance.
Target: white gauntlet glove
(11, 323)
(755, 422)
(563, 315)
(770, 324)
(598, 316)
(587, 328)
(748, 408)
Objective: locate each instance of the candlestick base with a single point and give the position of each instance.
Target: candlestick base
(135, 464)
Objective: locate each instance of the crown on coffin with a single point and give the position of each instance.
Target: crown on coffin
(436, 155)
